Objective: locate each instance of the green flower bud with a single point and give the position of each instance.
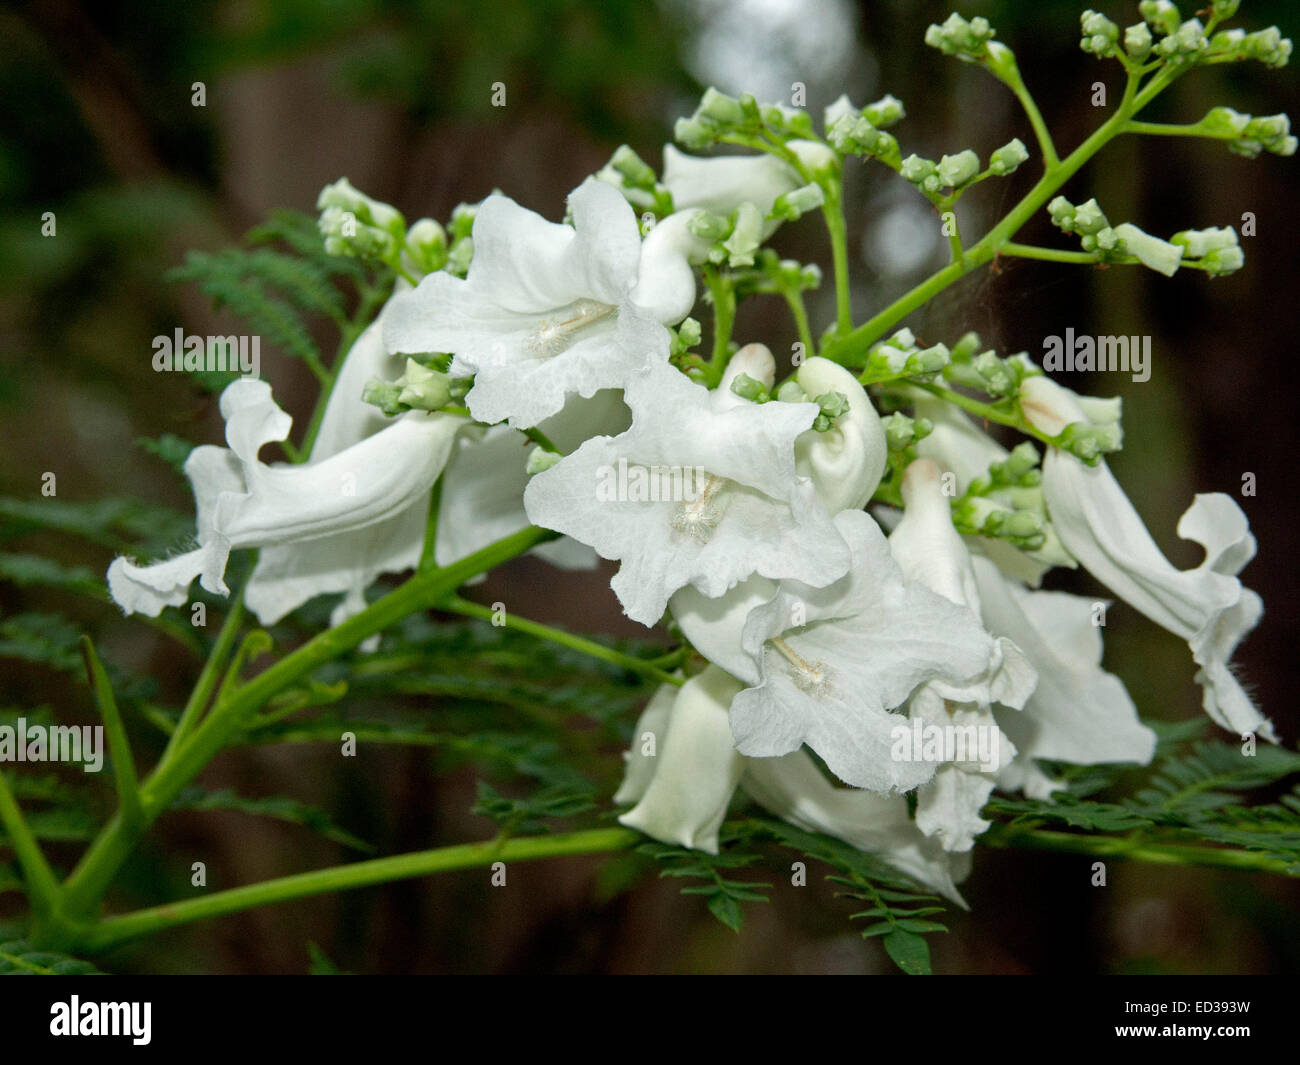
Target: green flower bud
(368, 212)
(916, 170)
(426, 247)
(458, 259)
(833, 404)
(720, 109)
(1267, 46)
(1159, 255)
(1223, 261)
(1007, 158)
(540, 460)
(1161, 14)
(1137, 41)
(885, 112)
(966, 348)
(1224, 9)
(957, 170)
(685, 336)
(633, 169)
(794, 204)
(900, 431)
(1097, 25)
(1200, 242)
(747, 387)
(1061, 211)
(958, 37)
(384, 395)
(1089, 218)
(692, 133)
(1188, 40)
(709, 226)
(791, 392)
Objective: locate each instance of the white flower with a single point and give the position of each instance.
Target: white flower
(1078, 712)
(683, 787)
(547, 309)
(1207, 606)
(242, 502)
(828, 665)
(702, 490)
(682, 770)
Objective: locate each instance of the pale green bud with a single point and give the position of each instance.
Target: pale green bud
(794, 204)
(1007, 158)
(540, 460)
(1137, 41)
(1161, 14)
(747, 387)
(957, 170)
(426, 247)
(1159, 255)
(885, 112)
(791, 392)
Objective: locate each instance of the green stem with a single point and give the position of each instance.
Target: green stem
(833, 212)
(1051, 255)
(794, 298)
(724, 312)
(210, 676)
(1128, 849)
(115, 930)
(457, 605)
(93, 874)
(42, 888)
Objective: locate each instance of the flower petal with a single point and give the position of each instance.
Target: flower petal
(698, 768)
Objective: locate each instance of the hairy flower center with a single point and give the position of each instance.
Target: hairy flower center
(700, 516)
(811, 678)
(555, 333)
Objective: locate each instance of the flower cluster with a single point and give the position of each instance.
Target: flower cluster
(908, 647)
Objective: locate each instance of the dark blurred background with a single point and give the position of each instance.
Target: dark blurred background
(97, 125)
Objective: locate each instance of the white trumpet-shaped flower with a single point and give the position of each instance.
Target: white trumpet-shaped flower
(1207, 605)
(242, 502)
(827, 666)
(549, 309)
(702, 490)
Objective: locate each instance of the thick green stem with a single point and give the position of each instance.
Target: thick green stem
(565, 639)
(210, 676)
(93, 874)
(115, 930)
(724, 313)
